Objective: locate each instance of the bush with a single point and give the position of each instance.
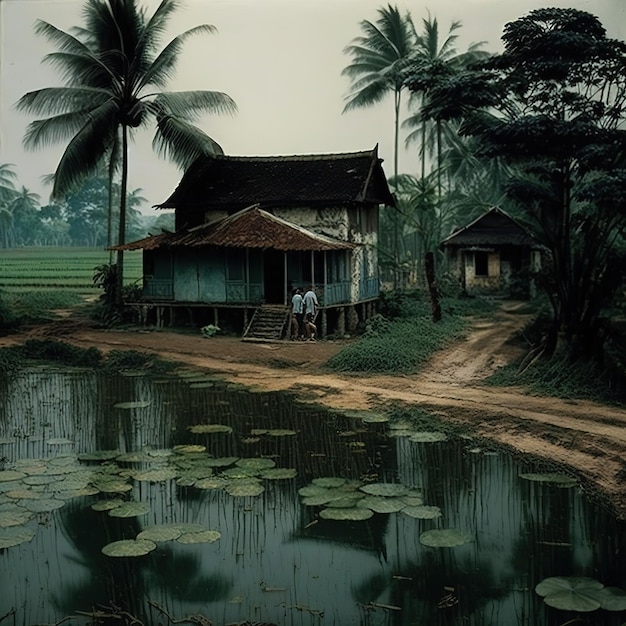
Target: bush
(401, 346)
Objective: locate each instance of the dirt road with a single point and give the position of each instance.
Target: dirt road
(587, 438)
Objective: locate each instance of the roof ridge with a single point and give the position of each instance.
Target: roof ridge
(321, 156)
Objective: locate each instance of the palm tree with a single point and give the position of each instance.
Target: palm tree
(379, 60)
(114, 78)
(434, 61)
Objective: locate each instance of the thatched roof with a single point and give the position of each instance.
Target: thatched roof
(232, 183)
(250, 228)
(494, 228)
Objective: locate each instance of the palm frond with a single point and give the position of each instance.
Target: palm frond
(63, 41)
(55, 100)
(182, 142)
(187, 104)
(85, 151)
(156, 26)
(161, 70)
(365, 95)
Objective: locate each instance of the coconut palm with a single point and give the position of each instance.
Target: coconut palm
(115, 73)
(378, 67)
(434, 61)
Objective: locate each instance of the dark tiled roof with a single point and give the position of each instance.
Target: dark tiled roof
(249, 228)
(232, 183)
(494, 228)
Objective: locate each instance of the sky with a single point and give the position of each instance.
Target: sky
(280, 60)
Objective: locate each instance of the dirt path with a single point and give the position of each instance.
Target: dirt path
(586, 437)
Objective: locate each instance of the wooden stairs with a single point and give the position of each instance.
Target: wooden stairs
(268, 323)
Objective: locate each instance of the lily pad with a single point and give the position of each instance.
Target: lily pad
(329, 481)
(138, 404)
(560, 480)
(422, 512)
(44, 505)
(385, 489)
(281, 432)
(355, 514)
(165, 532)
(256, 464)
(613, 599)
(156, 475)
(203, 536)
(427, 436)
(129, 547)
(223, 461)
(380, 504)
(130, 509)
(14, 536)
(15, 516)
(59, 441)
(213, 482)
(11, 475)
(572, 593)
(278, 473)
(189, 449)
(210, 428)
(107, 505)
(243, 489)
(444, 538)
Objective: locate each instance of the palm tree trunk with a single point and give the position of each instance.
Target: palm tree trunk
(121, 237)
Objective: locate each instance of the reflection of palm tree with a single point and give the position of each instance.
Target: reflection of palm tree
(113, 84)
(7, 194)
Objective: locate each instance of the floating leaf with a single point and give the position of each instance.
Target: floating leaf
(156, 475)
(130, 509)
(11, 475)
(256, 464)
(560, 480)
(189, 449)
(613, 599)
(223, 461)
(14, 517)
(139, 404)
(444, 538)
(59, 441)
(129, 547)
(354, 514)
(102, 455)
(278, 473)
(107, 505)
(427, 436)
(112, 486)
(422, 512)
(14, 536)
(214, 482)
(238, 473)
(242, 489)
(380, 504)
(343, 501)
(203, 536)
(210, 428)
(165, 532)
(385, 489)
(571, 593)
(281, 432)
(44, 505)
(329, 481)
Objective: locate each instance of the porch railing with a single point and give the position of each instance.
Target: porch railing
(335, 293)
(369, 288)
(240, 292)
(158, 289)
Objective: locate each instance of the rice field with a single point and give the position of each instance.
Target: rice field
(63, 268)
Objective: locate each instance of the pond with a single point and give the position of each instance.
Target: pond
(185, 497)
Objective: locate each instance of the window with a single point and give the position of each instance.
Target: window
(481, 264)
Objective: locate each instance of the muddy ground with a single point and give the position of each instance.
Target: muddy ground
(586, 438)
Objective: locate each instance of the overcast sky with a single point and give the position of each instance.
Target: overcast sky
(280, 60)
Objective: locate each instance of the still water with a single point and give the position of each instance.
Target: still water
(228, 498)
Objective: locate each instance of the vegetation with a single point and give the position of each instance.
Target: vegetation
(114, 75)
(403, 338)
(53, 351)
(558, 118)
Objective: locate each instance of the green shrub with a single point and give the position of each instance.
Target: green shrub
(51, 350)
(397, 346)
(118, 360)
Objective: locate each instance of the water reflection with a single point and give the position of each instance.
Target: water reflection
(276, 559)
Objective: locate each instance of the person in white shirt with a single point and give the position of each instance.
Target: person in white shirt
(311, 306)
(297, 311)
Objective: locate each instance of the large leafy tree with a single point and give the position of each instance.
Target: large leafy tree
(115, 72)
(553, 104)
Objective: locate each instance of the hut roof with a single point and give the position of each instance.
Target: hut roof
(249, 228)
(493, 228)
(234, 182)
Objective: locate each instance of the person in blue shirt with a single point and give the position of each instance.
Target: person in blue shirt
(311, 306)
(297, 313)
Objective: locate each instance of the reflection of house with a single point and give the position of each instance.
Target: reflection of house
(249, 229)
(494, 254)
